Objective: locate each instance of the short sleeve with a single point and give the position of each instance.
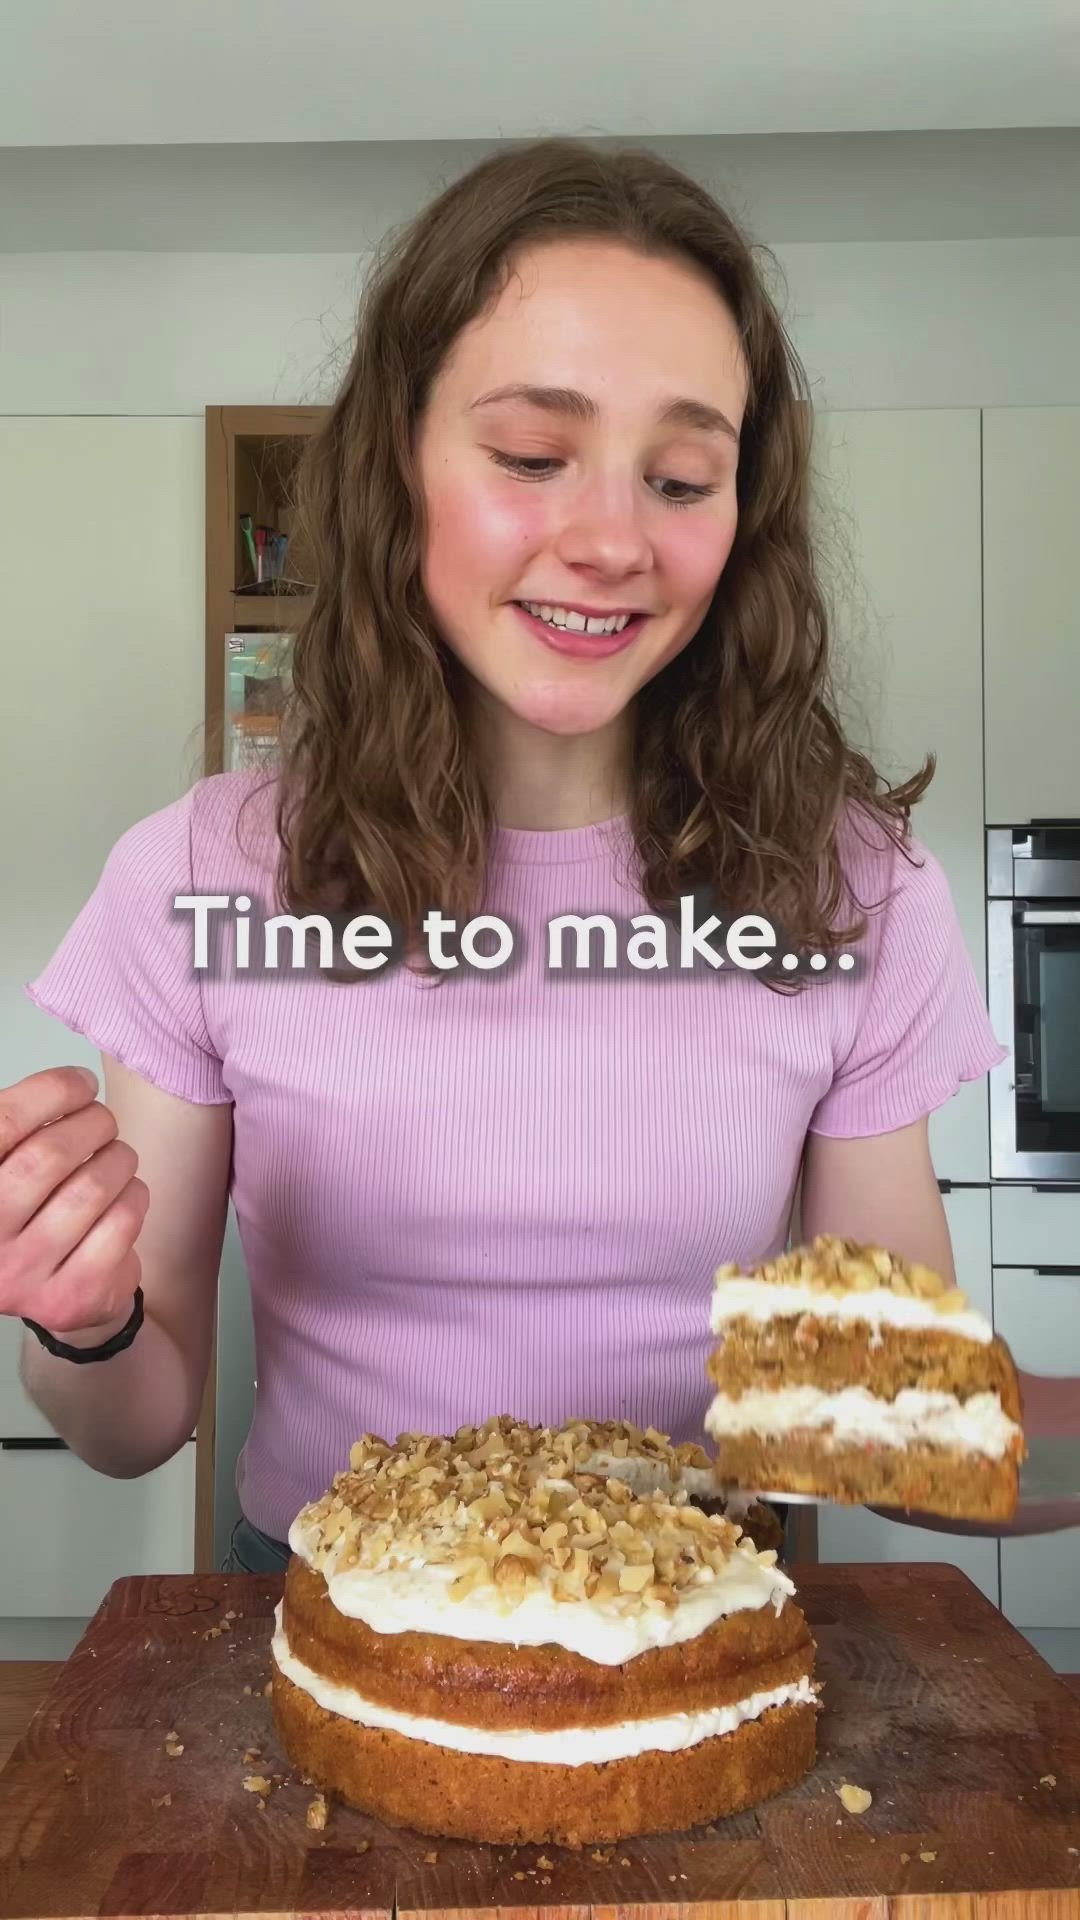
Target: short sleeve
(124, 975)
(921, 1026)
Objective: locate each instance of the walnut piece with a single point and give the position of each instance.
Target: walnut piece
(831, 1266)
(505, 1507)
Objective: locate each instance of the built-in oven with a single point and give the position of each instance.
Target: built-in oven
(1033, 954)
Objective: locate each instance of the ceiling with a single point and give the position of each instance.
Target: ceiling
(85, 73)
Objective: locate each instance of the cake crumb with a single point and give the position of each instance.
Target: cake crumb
(854, 1799)
(904, 1858)
(519, 1875)
(163, 1800)
(252, 1754)
(545, 1865)
(70, 1776)
(268, 1689)
(623, 1861)
(174, 1746)
(545, 1879)
(213, 1633)
(256, 1783)
(316, 1813)
(362, 1846)
(1048, 1780)
(247, 1691)
(603, 1856)
(928, 1857)
(431, 1859)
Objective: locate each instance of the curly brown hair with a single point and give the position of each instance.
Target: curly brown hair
(741, 773)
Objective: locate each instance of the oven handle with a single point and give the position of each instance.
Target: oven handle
(1050, 917)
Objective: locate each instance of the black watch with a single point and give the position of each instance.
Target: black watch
(81, 1356)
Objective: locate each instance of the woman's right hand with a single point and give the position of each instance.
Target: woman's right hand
(71, 1208)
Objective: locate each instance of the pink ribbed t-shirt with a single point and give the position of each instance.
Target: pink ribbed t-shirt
(506, 1193)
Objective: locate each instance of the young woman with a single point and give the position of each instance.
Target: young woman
(567, 653)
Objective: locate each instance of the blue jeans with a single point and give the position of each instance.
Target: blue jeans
(252, 1551)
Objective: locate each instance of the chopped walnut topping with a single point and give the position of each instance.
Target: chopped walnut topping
(833, 1266)
(854, 1799)
(507, 1507)
(257, 1783)
(316, 1813)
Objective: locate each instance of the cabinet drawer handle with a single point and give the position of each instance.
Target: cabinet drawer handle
(33, 1446)
(1059, 1273)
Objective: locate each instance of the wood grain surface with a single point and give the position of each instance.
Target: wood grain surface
(968, 1742)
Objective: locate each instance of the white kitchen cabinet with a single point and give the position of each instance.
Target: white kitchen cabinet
(104, 543)
(70, 1532)
(1031, 511)
(1038, 1314)
(853, 1533)
(898, 494)
(1036, 1227)
(19, 1418)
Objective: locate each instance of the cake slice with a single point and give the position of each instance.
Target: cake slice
(848, 1373)
(477, 1639)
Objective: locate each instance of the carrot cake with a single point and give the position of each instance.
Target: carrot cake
(479, 1639)
(848, 1373)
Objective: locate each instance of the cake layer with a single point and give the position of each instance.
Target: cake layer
(500, 1686)
(815, 1351)
(481, 1797)
(569, 1745)
(856, 1416)
(496, 1535)
(760, 1301)
(938, 1480)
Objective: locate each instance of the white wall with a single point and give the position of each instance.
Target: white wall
(980, 323)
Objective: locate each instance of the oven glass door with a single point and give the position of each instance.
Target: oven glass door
(1046, 956)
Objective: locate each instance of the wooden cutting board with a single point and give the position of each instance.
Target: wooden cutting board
(968, 1742)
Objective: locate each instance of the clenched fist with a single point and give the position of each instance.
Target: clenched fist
(71, 1207)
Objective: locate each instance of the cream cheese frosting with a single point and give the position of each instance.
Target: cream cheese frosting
(644, 1475)
(763, 1300)
(978, 1424)
(570, 1747)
